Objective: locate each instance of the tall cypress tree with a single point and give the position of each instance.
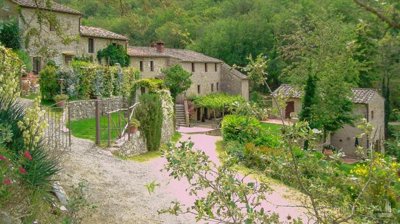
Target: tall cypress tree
(309, 100)
(308, 103)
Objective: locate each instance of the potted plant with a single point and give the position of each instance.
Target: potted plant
(60, 99)
(328, 150)
(133, 126)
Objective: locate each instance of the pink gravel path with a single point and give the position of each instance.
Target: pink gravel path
(280, 199)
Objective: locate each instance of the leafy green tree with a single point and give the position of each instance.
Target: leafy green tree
(177, 80)
(389, 63)
(114, 54)
(365, 54)
(320, 47)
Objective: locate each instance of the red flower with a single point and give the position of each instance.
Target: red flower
(22, 170)
(27, 155)
(2, 158)
(7, 181)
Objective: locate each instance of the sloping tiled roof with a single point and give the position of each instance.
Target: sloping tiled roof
(181, 54)
(288, 91)
(234, 71)
(89, 31)
(360, 95)
(42, 4)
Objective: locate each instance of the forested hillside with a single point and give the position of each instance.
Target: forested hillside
(348, 38)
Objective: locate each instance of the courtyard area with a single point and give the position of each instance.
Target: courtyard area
(118, 187)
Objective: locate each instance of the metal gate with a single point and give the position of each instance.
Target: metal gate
(57, 135)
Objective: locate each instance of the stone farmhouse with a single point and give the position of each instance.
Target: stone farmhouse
(59, 40)
(209, 74)
(368, 104)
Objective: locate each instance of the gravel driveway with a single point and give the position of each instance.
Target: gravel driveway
(117, 187)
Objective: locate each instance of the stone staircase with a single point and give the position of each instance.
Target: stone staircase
(180, 115)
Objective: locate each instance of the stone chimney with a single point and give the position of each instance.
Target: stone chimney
(160, 46)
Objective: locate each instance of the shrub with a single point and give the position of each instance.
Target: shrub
(249, 109)
(240, 128)
(114, 54)
(40, 169)
(152, 85)
(24, 57)
(60, 97)
(48, 81)
(108, 74)
(36, 168)
(10, 114)
(10, 35)
(235, 149)
(150, 115)
(10, 72)
(247, 129)
(134, 123)
(128, 88)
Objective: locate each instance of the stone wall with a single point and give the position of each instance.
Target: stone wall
(168, 128)
(234, 82)
(136, 146)
(83, 109)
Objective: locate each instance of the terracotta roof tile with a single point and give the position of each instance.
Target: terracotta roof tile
(89, 31)
(288, 91)
(360, 95)
(181, 54)
(42, 4)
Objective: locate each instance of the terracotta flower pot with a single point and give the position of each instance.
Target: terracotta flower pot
(328, 152)
(60, 103)
(132, 129)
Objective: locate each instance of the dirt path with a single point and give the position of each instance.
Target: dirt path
(117, 187)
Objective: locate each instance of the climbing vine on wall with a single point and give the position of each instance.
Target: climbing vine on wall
(114, 54)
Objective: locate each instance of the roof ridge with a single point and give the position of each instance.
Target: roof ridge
(101, 33)
(55, 6)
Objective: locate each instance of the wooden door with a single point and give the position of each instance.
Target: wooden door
(289, 109)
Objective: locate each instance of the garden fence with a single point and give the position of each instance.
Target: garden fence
(57, 134)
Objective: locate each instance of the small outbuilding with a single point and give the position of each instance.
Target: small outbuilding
(368, 104)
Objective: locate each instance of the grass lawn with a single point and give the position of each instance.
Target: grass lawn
(86, 129)
(146, 156)
(272, 127)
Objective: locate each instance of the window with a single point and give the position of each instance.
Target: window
(141, 66)
(356, 142)
(193, 67)
(216, 68)
(152, 66)
(212, 87)
(198, 89)
(372, 115)
(205, 67)
(36, 64)
(67, 59)
(142, 90)
(91, 45)
(217, 86)
(52, 27)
